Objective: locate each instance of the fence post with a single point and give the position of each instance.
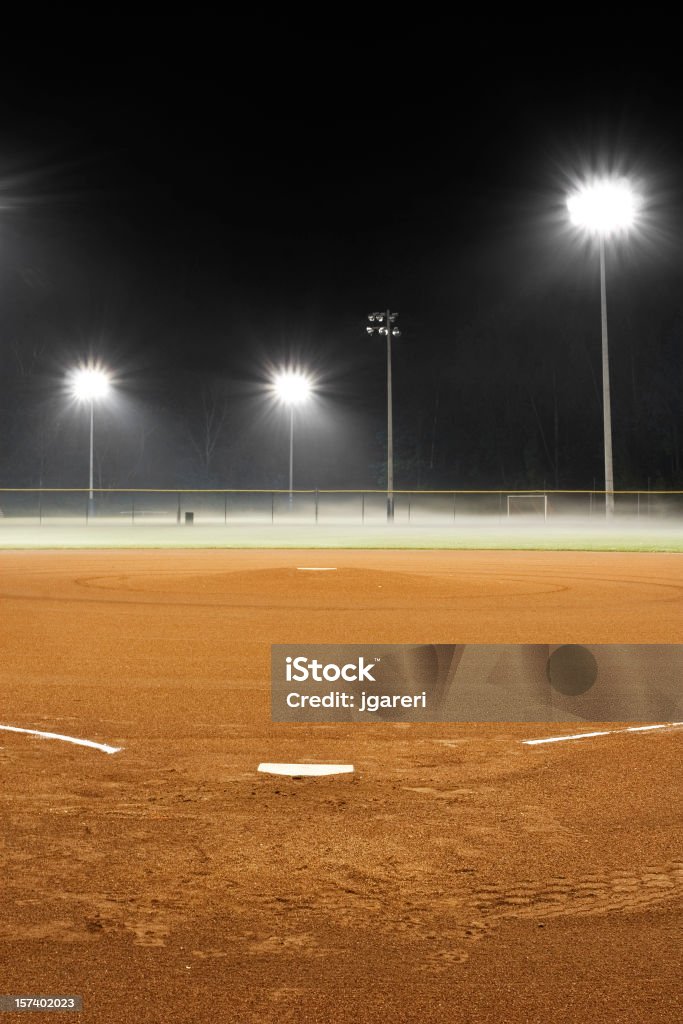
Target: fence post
(225, 510)
(132, 510)
(362, 507)
(316, 504)
(272, 508)
(40, 508)
(87, 509)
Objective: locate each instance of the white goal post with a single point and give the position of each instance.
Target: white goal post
(528, 505)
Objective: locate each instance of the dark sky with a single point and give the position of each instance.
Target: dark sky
(186, 202)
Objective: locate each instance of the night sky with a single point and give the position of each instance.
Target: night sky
(193, 215)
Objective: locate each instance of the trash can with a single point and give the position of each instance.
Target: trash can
(189, 518)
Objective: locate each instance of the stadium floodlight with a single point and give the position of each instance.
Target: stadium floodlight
(604, 207)
(88, 384)
(293, 388)
(390, 332)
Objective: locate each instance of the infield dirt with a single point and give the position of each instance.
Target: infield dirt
(457, 876)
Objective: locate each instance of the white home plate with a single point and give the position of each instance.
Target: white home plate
(305, 769)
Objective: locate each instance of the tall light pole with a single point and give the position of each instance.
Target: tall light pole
(603, 208)
(292, 388)
(387, 319)
(88, 384)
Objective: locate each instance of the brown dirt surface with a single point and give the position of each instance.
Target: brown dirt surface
(457, 876)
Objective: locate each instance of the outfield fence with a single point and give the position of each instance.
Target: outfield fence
(183, 507)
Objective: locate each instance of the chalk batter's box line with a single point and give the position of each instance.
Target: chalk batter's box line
(104, 747)
(602, 732)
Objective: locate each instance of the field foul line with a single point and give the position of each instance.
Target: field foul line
(67, 739)
(603, 732)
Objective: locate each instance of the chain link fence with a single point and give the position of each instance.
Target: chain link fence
(340, 507)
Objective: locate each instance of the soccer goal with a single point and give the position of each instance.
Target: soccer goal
(527, 506)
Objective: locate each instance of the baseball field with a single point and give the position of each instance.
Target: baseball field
(458, 875)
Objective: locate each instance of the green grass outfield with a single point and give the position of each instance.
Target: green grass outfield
(472, 535)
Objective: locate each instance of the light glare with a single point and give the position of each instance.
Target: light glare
(293, 388)
(604, 207)
(89, 383)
